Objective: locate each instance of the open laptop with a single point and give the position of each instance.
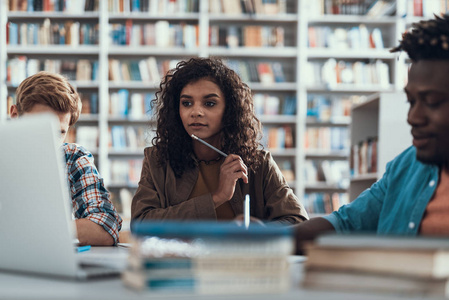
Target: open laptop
(37, 231)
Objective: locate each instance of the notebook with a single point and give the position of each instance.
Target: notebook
(37, 230)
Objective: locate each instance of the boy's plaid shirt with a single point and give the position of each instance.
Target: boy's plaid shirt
(90, 199)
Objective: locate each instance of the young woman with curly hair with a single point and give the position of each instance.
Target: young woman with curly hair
(183, 179)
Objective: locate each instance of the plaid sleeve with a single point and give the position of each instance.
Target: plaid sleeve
(90, 199)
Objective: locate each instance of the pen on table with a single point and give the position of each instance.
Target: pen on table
(83, 248)
(246, 215)
(208, 145)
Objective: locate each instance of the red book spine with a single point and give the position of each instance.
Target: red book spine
(417, 8)
(129, 28)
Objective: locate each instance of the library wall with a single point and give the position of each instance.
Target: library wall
(307, 63)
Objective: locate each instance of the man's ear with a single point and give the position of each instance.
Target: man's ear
(13, 111)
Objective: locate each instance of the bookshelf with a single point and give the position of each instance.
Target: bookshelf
(379, 132)
(292, 98)
(341, 44)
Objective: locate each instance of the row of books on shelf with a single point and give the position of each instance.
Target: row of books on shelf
(333, 73)
(363, 157)
(134, 106)
(153, 7)
(326, 108)
(258, 71)
(122, 198)
(127, 138)
(145, 70)
(426, 8)
(286, 168)
(89, 103)
(130, 138)
(70, 6)
(165, 34)
(326, 139)
(278, 137)
(137, 106)
(324, 203)
(341, 38)
(126, 171)
(160, 33)
(86, 136)
(52, 33)
(20, 67)
(262, 7)
(188, 258)
(150, 70)
(335, 173)
(379, 265)
(270, 105)
(246, 36)
(374, 8)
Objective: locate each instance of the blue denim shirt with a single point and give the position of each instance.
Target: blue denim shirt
(393, 205)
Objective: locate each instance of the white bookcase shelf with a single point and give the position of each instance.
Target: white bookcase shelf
(278, 19)
(53, 50)
(324, 154)
(29, 16)
(273, 52)
(149, 17)
(371, 177)
(383, 116)
(277, 119)
(274, 87)
(132, 51)
(351, 89)
(317, 53)
(352, 19)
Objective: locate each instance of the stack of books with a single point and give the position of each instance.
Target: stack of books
(388, 264)
(209, 258)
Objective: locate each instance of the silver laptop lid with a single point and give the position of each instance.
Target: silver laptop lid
(36, 227)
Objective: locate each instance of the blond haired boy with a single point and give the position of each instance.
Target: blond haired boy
(97, 221)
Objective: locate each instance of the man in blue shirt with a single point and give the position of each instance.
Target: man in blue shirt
(412, 197)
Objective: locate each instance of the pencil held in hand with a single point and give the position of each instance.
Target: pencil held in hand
(208, 145)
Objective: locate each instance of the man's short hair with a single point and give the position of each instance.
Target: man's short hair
(53, 90)
(427, 40)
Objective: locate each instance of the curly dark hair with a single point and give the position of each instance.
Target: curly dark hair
(426, 40)
(241, 129)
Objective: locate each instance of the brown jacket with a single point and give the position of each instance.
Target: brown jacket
(162, 196)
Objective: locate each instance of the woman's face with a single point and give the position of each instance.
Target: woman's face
(201, 107)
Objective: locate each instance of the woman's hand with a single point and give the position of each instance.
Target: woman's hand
(231, 170)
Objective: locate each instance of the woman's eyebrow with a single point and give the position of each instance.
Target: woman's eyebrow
(212, 95)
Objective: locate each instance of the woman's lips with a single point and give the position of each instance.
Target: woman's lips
(197, 125)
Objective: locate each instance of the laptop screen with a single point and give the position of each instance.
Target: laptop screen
(37, 228)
